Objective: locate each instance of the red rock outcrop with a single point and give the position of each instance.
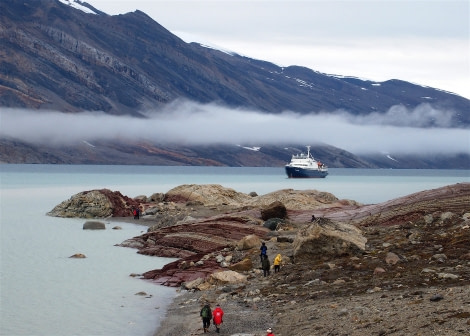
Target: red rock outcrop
(195, 244)
(176, 273)
(453, 198)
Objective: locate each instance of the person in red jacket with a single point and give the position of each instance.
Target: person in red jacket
(217, 316)
(269, 332)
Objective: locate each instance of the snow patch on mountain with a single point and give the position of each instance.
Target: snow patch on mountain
(390, 157)
(88, 144)
(78, 5)
(256, 149)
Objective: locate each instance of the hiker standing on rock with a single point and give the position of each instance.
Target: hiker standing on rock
(266, 265)
(277, 263)
(206, 315)
(264, 251)
(218, 315)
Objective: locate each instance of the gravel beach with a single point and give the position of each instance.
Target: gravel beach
(365, 305)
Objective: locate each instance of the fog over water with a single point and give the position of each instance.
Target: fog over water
(399, 130)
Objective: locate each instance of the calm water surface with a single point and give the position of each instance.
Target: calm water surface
(43, 292)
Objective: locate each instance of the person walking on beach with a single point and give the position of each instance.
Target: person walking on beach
(277, 263)
(263, 251)
(136, 213)
(206, 315)
(266, 265)
(217, 316)
(269, 332)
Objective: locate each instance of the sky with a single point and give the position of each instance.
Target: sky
(425, 42)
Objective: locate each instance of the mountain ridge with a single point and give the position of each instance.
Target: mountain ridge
(106, 53)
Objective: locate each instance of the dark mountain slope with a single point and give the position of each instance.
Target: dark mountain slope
(61, 58)
(145, 153)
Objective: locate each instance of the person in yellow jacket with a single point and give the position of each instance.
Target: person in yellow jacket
(277, 263)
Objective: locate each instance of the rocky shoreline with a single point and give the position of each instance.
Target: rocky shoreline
(400, 267)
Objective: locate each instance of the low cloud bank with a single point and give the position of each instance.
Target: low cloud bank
(397, 131)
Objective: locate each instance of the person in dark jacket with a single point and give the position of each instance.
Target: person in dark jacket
(136, 213)
(266, 265)
(206, 315)
(263, 251)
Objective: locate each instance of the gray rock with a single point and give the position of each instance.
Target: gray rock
(273, 223)
(436, 297)
(157, 197)
(447, 215)
(428, 219)
(343, 312)
(151, 211)
(447, 276)
(248, 242)
(441, 257)
(78, 256)
(391, 258)
(283, 239)
(92, 204)
(94, 225)
(141, 198)
(132, 243)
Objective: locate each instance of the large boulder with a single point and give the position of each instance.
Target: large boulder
(328, 238)
(242, 266)
(249, 242)
(95, 204)
(226, 277)
(94, 225)
(194, 284)
(206, 194)
(157, 197)
(298, 199)
(274, 210)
